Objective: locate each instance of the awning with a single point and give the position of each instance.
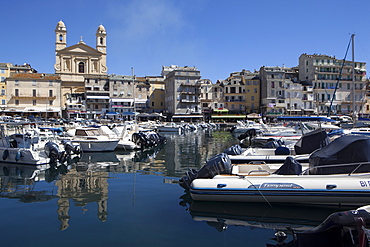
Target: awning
(97, 97)
(41, 109)
(111, 113)
(122, 100)
(229, 116)
(187, 116)
(155, 114)
(221, 110)
(140, 101)
(128, 113)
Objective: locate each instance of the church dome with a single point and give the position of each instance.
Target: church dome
(61, 24)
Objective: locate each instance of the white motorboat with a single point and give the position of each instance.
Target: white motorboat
(170, 127)
(92, 139)
(124, 133)
(277, 152)
(338, 174)
(23, 147)
(243, 126)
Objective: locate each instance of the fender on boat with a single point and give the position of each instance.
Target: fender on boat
(18, 155)
(5, 154)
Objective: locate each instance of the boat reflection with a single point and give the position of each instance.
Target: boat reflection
(18, 181)
(293, 225)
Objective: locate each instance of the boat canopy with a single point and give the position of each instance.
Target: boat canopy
(311, 141)
(349, 150)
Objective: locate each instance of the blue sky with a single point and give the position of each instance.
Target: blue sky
(216, 36)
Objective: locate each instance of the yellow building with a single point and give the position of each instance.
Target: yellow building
(4, 73)
(157, 92)
(34, 94)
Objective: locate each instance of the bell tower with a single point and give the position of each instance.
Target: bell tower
(60, 36)
(101, 39)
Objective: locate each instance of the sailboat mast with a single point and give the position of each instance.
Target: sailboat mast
(353, 78)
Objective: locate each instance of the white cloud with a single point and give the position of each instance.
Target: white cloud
(142, 19)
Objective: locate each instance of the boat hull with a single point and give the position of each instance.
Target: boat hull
(97, 146)
(22, 156)
(306, 189)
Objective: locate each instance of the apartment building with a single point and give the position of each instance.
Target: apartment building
(97, 94)
(157, 93)
(333, 83)
(4, 73)
(251, 81)
(182, 93)
(122, 94)
(33, 94)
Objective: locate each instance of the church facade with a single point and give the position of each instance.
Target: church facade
(75, 64)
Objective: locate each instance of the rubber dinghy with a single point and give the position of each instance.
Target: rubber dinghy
(339, 173)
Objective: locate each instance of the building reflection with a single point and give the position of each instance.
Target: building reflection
(82, 187)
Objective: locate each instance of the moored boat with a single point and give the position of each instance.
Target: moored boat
(338, 174)
(91, 139)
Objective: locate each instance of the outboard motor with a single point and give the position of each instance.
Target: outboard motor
(233, 150)
(52, 151)
(70, 148)
(219, 164)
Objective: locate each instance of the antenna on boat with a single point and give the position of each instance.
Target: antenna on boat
(353, 80)
(133, 91)
(340, 75)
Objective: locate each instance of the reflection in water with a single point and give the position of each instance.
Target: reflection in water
(294, 225)
(18, 181)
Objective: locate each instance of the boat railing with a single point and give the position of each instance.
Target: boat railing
(359, 168)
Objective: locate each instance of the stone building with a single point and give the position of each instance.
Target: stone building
(76, 63)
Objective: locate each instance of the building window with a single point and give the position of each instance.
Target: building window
(50, 83)
(34, 102)
(81, 67)
(3, 101)
(16, 102)
(33, 83)
(34, 92)
(50, 102)
(50, 93)
(16, 92)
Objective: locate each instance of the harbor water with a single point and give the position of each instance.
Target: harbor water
(132, 198)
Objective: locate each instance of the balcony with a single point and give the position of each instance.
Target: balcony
(189, 101)
(34, 97)
(235, 100)
(97, 101)
(188, 92)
